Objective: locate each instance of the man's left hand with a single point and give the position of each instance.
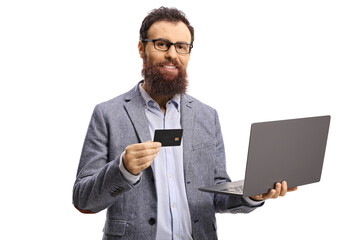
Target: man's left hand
(280, 190)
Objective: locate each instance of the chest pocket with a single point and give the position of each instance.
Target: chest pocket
(202, 145)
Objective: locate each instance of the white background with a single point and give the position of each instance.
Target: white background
(252, 61)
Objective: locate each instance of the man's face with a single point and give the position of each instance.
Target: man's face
(165, 67)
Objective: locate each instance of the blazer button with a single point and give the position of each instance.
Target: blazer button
(151, 221)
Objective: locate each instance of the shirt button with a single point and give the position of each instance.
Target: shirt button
(173, 205)
(175, 236)
(170, 175)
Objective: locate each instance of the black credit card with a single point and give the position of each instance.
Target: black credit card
(168, 137)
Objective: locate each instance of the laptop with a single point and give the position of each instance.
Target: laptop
(291, 150)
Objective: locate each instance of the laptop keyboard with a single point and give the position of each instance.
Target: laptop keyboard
(237, 189)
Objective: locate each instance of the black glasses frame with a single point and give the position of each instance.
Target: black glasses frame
(170, 44)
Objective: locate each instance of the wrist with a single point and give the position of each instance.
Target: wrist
(128, 176)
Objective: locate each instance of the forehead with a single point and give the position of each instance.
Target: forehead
(172, 31)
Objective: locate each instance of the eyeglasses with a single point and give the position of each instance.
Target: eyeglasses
(164, 45)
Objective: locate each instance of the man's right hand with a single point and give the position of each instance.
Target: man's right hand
(140, 156)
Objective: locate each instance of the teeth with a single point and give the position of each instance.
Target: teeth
(169, 67)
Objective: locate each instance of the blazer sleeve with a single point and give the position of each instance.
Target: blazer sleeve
(99, 181)
(226, 203)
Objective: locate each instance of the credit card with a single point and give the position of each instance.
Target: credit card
(168, 137)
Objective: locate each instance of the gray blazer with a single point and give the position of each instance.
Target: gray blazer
(132, 210)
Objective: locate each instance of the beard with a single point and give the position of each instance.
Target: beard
(159, 84)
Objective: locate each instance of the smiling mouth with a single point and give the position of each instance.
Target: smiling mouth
(170, 67)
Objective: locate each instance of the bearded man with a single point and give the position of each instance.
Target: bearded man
(149, 191)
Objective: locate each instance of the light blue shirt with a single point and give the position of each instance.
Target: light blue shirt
(173, 215)
(173, 220)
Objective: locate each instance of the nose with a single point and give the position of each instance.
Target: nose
(171, 53)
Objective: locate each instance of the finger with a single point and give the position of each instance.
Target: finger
(143, 146)
(143, 153)
(277, 190)
(259, 197)
(139, 147)
(283, 188)
(151, 144)
(292, 189)
(268, 195)
(145, 165)
(144, 160)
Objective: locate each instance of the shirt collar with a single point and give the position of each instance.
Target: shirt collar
(150, 102)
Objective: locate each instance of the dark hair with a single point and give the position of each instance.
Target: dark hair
(164, 14)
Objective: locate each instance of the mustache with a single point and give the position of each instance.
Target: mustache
(168, 62)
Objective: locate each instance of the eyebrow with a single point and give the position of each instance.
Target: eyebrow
(164, 39)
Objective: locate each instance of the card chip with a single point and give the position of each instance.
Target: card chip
(177, 139)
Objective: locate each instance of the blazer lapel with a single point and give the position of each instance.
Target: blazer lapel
(134, 105)
(187, 123)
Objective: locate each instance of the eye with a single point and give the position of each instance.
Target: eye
(182, 47)
(161, 45)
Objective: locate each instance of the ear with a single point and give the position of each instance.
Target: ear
(141, 49)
